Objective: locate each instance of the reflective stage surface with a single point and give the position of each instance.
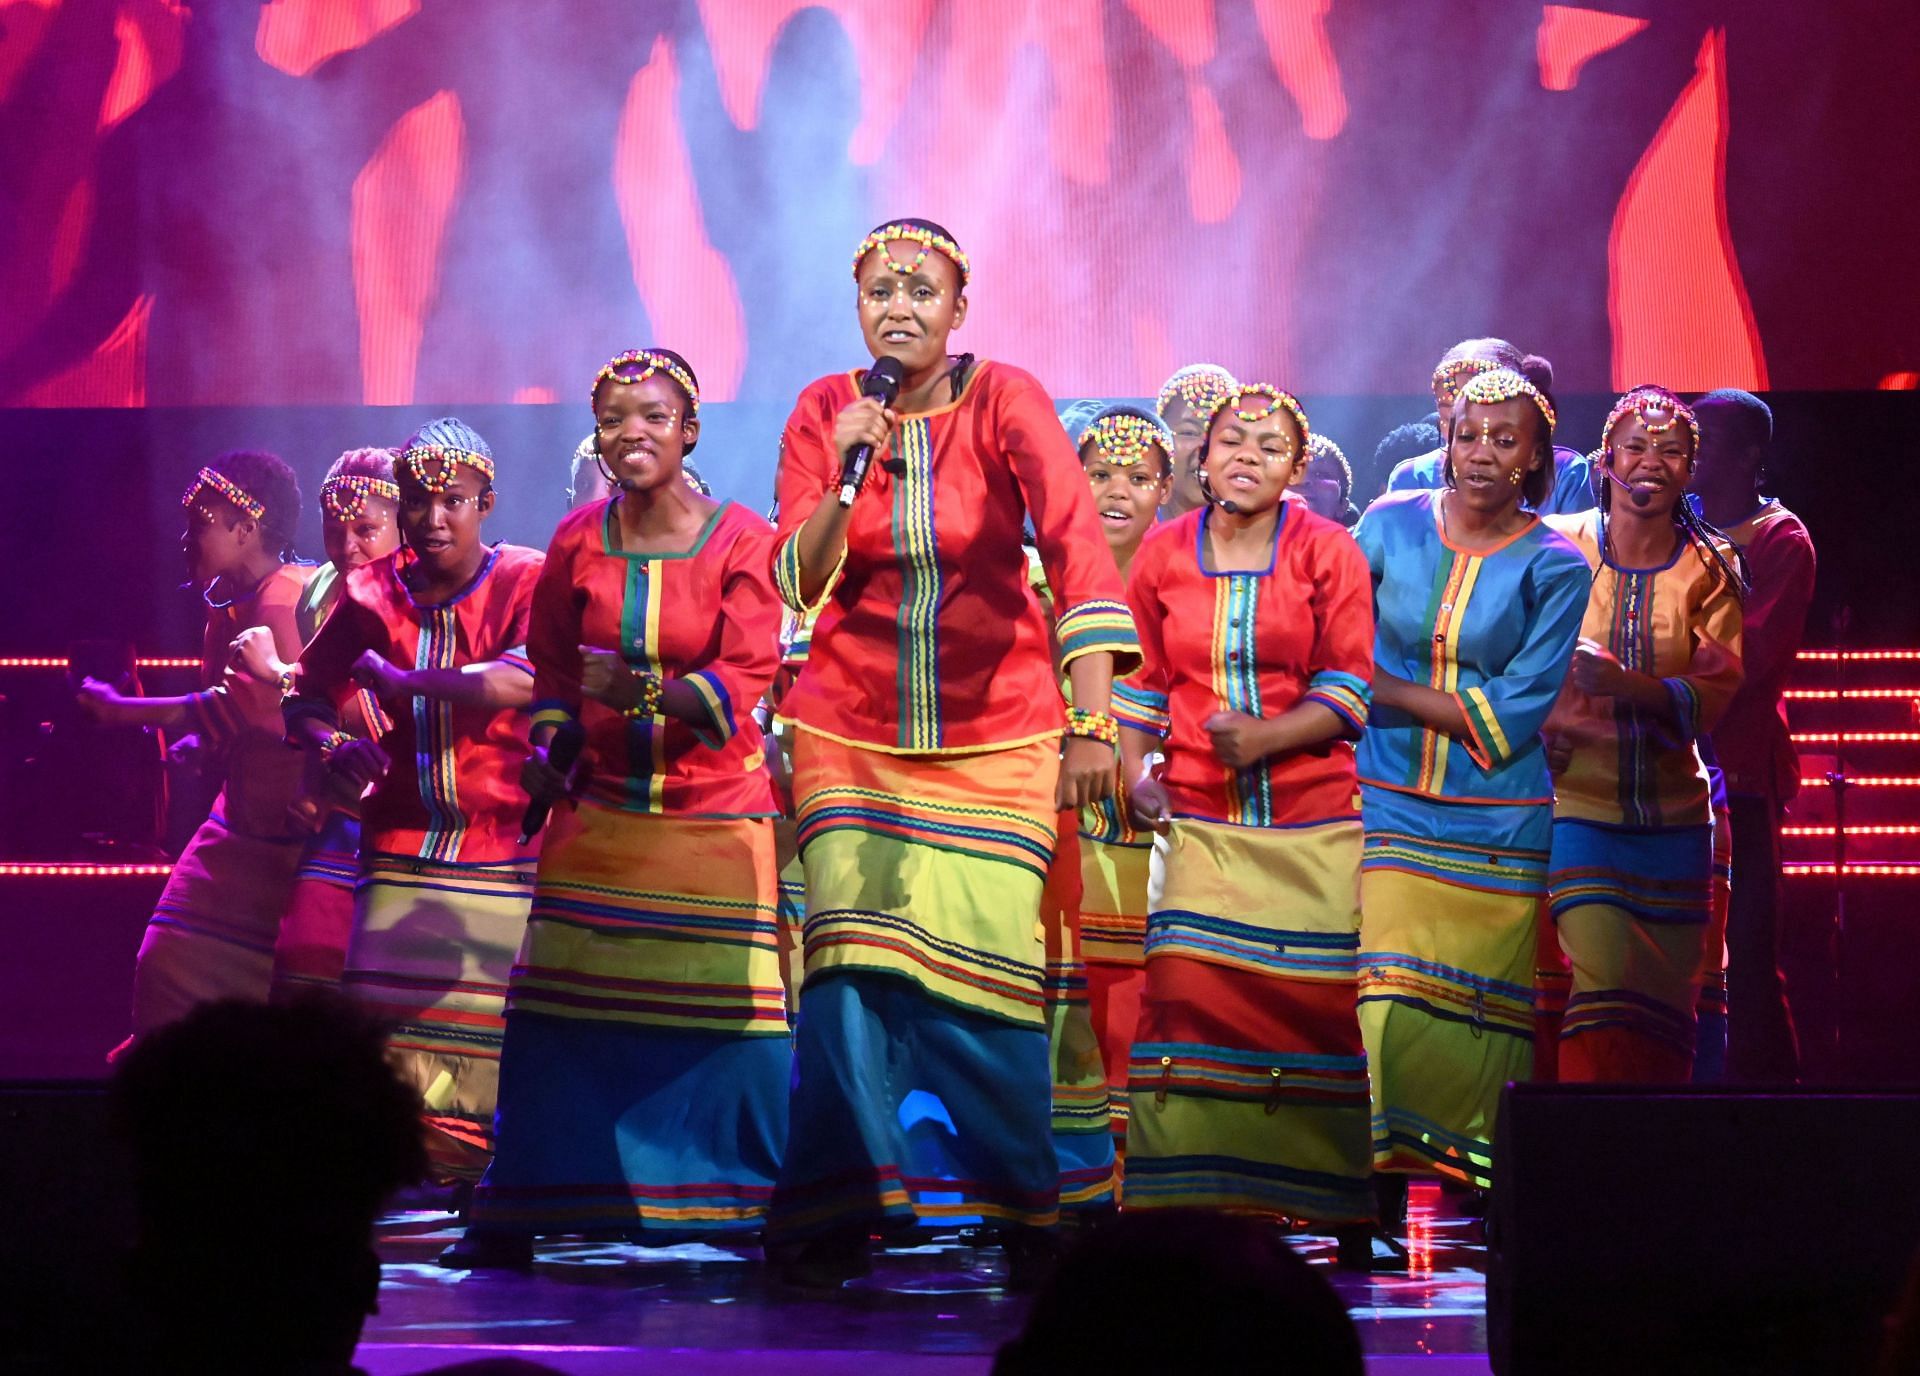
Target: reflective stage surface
(592, 1307)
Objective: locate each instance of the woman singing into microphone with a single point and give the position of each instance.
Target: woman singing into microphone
(1631, 884)
(932, 755)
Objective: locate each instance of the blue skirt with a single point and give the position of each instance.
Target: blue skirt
(633, 1130)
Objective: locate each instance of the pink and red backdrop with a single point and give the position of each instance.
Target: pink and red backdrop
(475, 201)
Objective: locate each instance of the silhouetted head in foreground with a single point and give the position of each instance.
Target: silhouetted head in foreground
(1178, 1291)
(265, 1141)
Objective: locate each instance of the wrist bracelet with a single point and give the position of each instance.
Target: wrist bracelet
(651, 690)
(1093, 726)
(334, 740)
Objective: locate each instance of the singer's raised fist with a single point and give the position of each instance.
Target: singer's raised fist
(866, 421)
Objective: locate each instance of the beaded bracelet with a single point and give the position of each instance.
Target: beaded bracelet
(334, 740)
(651, 690)
(1093, 726)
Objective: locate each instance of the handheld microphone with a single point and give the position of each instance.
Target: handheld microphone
(883, 385)
(563, 751)
(1638, 496)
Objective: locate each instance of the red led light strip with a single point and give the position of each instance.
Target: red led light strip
(1849, 694)
(60, 662)
(1861, 656)
(1853, 831)
(1869, 781)
(29, 870)
(1857, 738)
(1865, 869)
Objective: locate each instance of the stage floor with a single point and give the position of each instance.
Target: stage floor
(934, 1310)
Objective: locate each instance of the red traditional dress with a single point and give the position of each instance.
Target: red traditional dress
(644, 1080)
(444, 879)
(926, 756)
(1248, 1079)
(212, 933)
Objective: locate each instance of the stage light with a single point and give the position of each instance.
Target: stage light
(1887, 830)
(1865, 781)
(1861, 656)
(1862, 869)
(1857, 738)
(60, 662)
(25, 869)
(1848, 694)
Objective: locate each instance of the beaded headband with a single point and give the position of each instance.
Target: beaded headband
(926, 238)
(1123, 440)
(1277, 401)
(1641, 401)
(344, 496)
(226, 487)
(1446, 378)
(449, 459)
(1503, 384)
(1202, 387)
(637, 365)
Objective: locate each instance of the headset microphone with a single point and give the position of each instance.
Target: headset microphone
(1639, 496)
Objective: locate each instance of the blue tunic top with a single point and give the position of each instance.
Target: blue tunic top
(1495, 628)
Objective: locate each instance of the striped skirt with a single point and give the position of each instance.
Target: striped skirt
(1450, 897)
(1248, 1078)
(1082, 1126)
(1632, 906)
(923, 1087)
(212, 933)
(1113, 941)
(643, 1082)
(312, 948)
(433, 944)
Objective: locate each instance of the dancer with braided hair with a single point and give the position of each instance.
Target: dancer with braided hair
(1631, 881)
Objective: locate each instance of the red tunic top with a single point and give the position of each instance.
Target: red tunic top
(1751, 741)
(930, 639)
(453, 791)
(708, 616)
(1258, 643)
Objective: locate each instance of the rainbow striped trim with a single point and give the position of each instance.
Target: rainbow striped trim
(1347, 696)
(1623, 1010)
(916, 546)
(1142, 710)
(1447, 993)
(1097, 625)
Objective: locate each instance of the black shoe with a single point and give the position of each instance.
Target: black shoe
(490, 1252)
(1359, 1247)
(823, 1263)
(1390, 1201)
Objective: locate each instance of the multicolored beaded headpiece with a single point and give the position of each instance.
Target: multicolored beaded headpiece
(418, 456)
(1446, 378)
(1643, 402)
(637, 365)
(929, 242)
(1202, 386)
(1123, 439)
(1503, 384)
(344, 495)
(226, 487)
(1277, 401)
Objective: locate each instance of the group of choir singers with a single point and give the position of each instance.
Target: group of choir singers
(1056, 824)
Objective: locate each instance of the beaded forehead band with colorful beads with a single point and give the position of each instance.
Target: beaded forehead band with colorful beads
(1446, 378)
(926, 238)
(226, 487)
(1123, 440)
(1642, 402)
(1202, 389)
(1503, 384)
(449, 459)
(637, 365)
(344, 495)
(1277, 401)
